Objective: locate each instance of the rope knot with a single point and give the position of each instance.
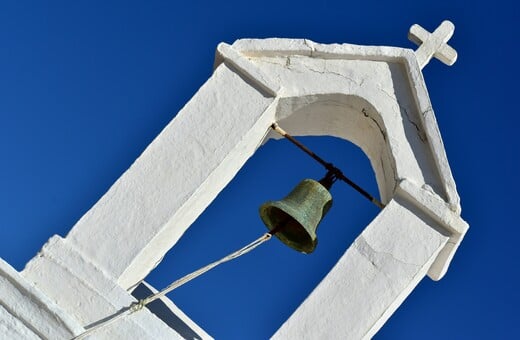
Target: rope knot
(137, 306)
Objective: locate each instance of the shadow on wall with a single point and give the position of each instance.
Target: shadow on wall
(163, 312)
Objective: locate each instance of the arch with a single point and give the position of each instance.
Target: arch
(372, 96)
(275, 276)
(347, 117)
(201, 150)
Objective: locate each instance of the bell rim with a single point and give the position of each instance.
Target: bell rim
(312, 239)
(284, 206)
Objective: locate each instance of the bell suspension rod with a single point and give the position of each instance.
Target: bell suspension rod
(329, 166)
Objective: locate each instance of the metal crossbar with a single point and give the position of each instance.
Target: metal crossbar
(329, 166)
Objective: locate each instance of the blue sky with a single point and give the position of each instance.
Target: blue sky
(85, 86)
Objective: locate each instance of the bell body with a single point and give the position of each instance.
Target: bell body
(295, 218)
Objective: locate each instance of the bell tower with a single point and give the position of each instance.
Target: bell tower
(373, 96)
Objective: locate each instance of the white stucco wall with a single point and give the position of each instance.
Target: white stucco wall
(372, 96)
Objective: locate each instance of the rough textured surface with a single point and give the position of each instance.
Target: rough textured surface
(175, 178)
(11, 327)
(84, 292)
(371, 280)
(372, 96)
(27, 313)
(258, 50)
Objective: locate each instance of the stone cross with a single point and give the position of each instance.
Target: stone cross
(433, 44)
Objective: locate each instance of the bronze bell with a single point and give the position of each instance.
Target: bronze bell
(294, 219)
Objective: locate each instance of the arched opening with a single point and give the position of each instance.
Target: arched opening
(252, 296)
(349, 117)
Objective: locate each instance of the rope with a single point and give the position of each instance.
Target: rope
(137, 306)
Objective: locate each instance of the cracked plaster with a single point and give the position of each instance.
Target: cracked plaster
(364, 94)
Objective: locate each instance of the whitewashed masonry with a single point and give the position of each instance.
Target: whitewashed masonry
(372, 96)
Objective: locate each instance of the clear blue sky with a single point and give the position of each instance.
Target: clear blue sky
(86, 85)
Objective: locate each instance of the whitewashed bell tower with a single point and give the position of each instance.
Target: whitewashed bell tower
(374, 97)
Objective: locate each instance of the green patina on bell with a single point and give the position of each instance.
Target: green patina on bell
(294, 219)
